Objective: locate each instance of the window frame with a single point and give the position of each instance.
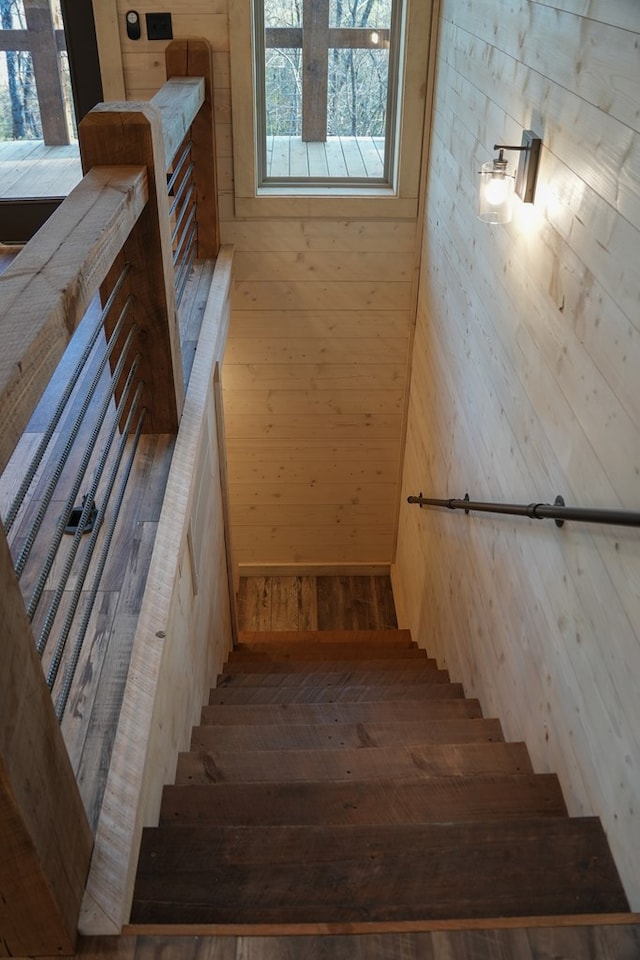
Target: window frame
(390, 136)
(331, 198)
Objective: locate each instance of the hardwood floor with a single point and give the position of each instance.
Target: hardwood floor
(544, 943)
(316, 603)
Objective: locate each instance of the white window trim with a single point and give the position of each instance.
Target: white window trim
(335, 201)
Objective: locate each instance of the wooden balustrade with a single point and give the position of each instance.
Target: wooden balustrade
(117, 213)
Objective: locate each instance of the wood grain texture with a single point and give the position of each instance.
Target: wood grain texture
(323, 736)
(524, 386)
(52, 283)
(193, 58)
(482, 941)
(133, 133)
(395, 762)
(42, 870)
(173, 660)
(365, 802)
(410, 873)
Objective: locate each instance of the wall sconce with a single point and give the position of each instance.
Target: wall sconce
(497, 184)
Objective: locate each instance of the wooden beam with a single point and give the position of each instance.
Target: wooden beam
(349, 37)
(46, 70)
(315, 55)
(50, 285)
(44, 833)
(178, 101)
(193, 58)
(132, 133)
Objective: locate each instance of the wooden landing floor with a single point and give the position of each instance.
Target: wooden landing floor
(316, 603)
(29, 168)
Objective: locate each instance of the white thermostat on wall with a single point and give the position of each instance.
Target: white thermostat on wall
(133, 24)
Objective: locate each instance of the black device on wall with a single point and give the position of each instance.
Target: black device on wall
(133, 24)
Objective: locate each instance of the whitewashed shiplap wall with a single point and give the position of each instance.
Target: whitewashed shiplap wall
(526, 385)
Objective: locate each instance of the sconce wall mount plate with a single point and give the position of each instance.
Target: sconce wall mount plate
(527, 174)
(494, 204)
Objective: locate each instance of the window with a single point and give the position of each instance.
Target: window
(326, 75)
(388, 109)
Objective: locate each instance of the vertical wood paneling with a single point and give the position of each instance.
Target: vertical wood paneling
(524, 386)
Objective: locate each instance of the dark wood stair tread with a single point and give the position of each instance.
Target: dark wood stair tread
(341, 778)
(312, 652)
(320, 803)
(333, 694)
(289, 874)
(351, 675)
(328, 713)
(322, 664)
(369, 638)
(375, 763)
(324, 736)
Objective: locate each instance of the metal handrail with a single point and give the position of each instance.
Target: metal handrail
(556, 511)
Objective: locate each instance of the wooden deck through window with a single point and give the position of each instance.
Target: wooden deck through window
(29, 168)
(338, 157)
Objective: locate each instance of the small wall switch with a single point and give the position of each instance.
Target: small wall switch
(159, 26)
(132, 18)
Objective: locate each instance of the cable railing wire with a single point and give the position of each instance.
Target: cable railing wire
(69, 675)
(63, 636)
(86, 510)
(179, 165)
(72, 497)
(62, 460)
(55, 419)
(184, 269)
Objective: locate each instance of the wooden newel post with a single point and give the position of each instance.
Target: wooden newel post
(131, 133)
(193, 58)
(45, 839)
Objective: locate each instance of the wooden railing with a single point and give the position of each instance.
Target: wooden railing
(117, 215)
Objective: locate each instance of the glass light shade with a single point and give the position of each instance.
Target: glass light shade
(496, 193)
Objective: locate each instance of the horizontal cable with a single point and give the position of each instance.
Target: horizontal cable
(189, 220)
(69, 675)
(86, 510)
(179, 165)
(186, 180)
(184, 270)
(55, 419)
(71, 499)
(62, 460)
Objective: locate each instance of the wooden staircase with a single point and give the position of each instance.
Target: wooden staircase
(338, 780)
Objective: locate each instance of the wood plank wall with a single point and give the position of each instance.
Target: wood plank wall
(315, 372)
(525, 386)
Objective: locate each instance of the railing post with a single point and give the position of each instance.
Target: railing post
(45, 839)
(131, 133)
(192, 58)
